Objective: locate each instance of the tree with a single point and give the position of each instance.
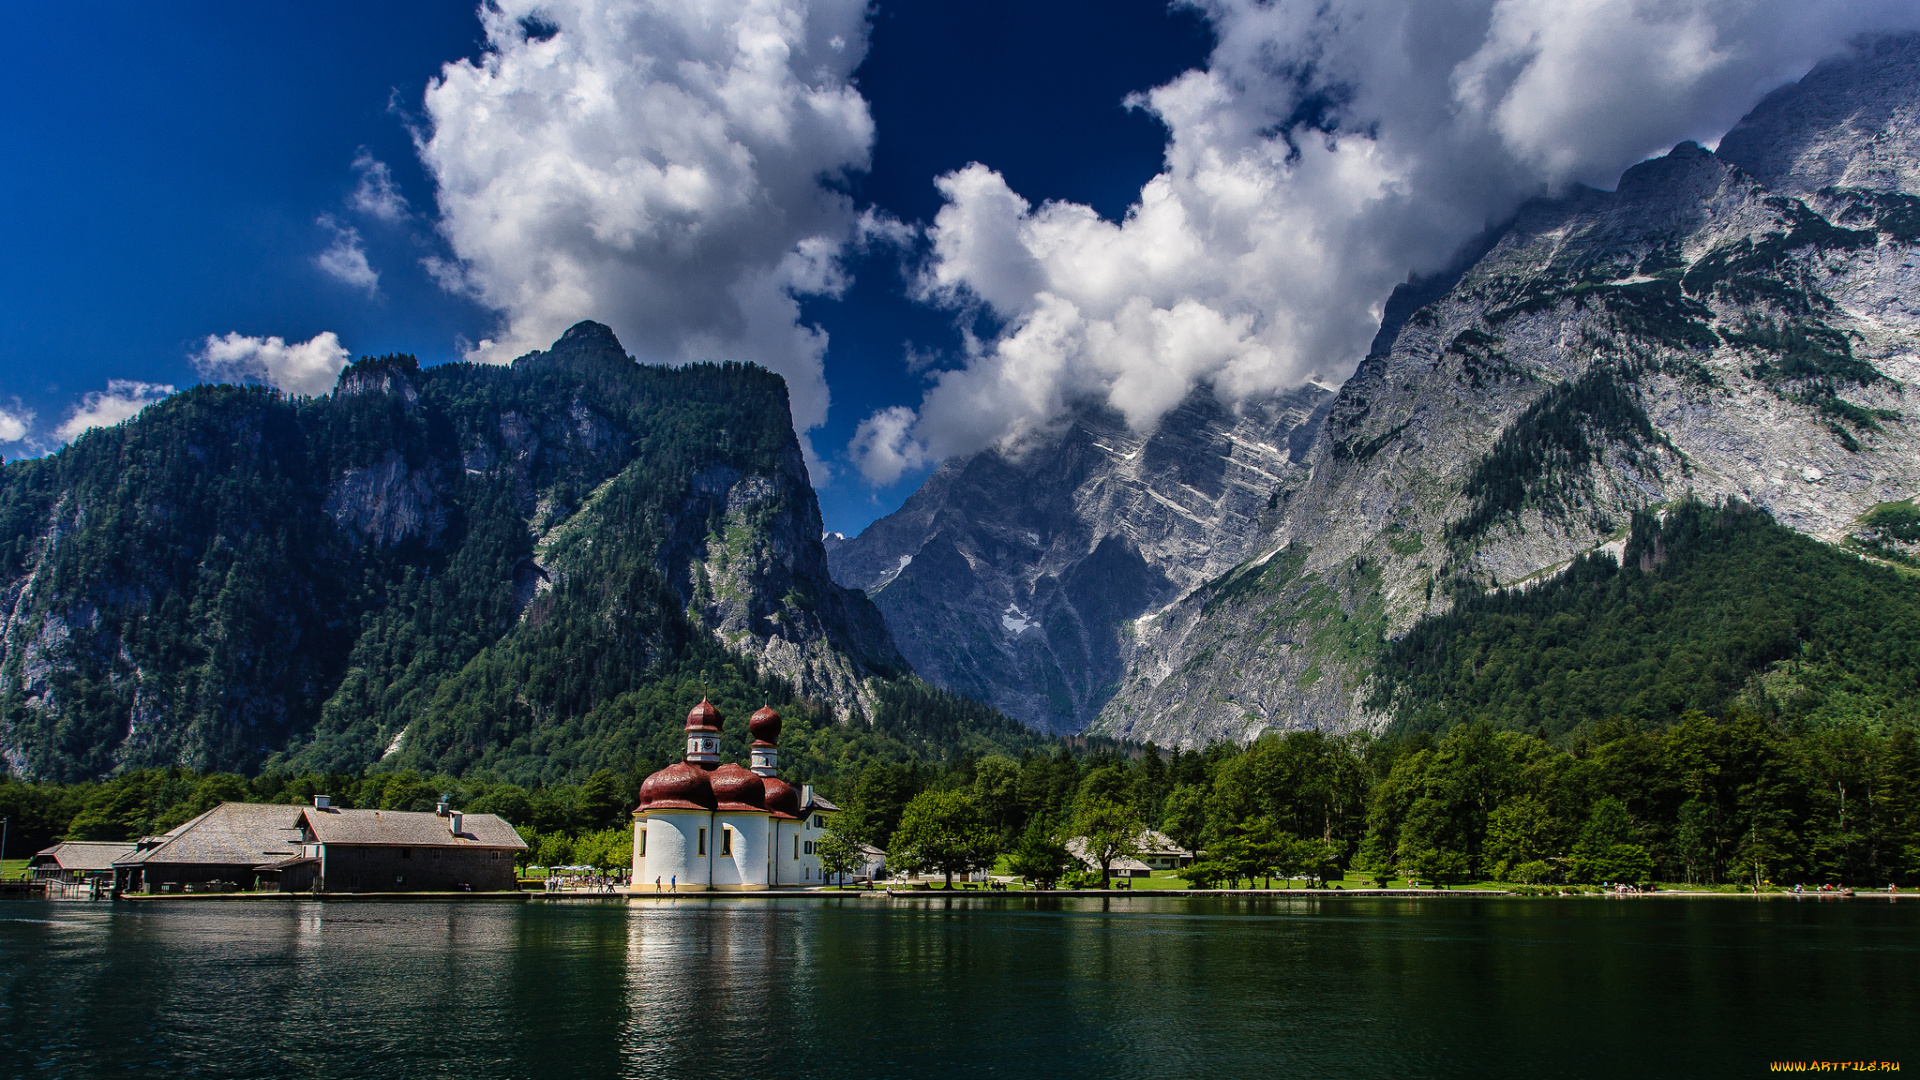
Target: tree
(1605, 850)
(996, 785)
(1186, 817)
(1520, 830)
(1230, 858)
(839, 854)
(1434, 864)
(1039, 855)
(944, 831)
(1111, 832)
(1298, 857)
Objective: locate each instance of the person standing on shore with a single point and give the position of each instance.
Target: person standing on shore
(674, 884)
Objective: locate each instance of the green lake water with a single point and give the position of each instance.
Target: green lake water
(1013, 987)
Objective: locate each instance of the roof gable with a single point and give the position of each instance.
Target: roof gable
(408, 828)
(84, 854)
(231, 834)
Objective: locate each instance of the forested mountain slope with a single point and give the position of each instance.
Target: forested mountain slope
(1704, 609)
(1703, 332)
(1740, 325)
(450, 568)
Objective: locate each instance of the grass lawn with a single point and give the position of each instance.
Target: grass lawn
(13, 868)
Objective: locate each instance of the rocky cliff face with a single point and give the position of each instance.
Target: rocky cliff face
(1017, 580)
(1733, 325)
(434, 565)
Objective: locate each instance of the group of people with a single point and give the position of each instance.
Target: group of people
(584, 882)
(1892, 889)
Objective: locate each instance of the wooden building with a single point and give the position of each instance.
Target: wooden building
(228, 846)
(322, 848)
(405, 851)
(77, 861)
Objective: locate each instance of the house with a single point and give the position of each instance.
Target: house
(323, 848)
(401, 851)
(706, 825)
(1124, 866)
(228, 846)
(78, 860)
(1158, 850)
(874, 863)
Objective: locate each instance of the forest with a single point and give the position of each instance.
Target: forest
(459, 569)
(1729, 800)
(1707, 608)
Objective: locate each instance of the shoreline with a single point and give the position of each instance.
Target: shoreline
(629, 895)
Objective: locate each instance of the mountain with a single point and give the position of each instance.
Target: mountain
(1736, 325)
(454, 568)
(1016, 579)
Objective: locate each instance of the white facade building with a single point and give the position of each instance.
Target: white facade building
(706, 825)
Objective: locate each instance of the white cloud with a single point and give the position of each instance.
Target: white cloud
(15, 422)
(345, 260)
(376, 195)
(658, 166)
(1329, 148)
(121, 400)
(306, 367)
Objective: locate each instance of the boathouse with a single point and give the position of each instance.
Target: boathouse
(226, 847)
(78, 861)
(402, 851)
(323, 848)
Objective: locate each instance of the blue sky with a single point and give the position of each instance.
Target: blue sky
(948, 225)
(171, 163)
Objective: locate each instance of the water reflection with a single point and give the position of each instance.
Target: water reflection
(1008, 987)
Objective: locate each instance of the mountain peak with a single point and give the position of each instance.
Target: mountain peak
(584, 341)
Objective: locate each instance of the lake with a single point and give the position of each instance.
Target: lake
(1002, 987)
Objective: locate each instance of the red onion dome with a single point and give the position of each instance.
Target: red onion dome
(738, 789)
(703, 717)
(783, 799)
(765, 725)
(679, 786)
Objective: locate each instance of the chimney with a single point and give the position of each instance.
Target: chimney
(806, 795)
(322, 802)
(453, 822)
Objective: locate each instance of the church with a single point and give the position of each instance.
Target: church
(704, 825)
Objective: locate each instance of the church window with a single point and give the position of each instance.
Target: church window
(643, 843)
(726, 840)
(796, 845)
(703, 843)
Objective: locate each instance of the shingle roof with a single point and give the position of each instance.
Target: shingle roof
(820, 803)
(1155, 842)
(1077, 847)
(84, 854)
(409, 828)
(231, 834)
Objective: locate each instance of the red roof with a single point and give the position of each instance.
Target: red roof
(679, 786)
(765, 725)
(703, 717)
(783, 799)
(738, 789)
